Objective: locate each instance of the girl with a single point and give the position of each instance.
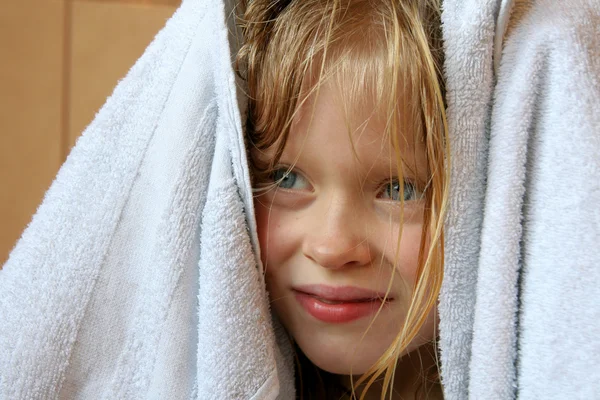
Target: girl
(348, 146)
(137, 277)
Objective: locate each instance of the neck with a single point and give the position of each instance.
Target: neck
(411, 380)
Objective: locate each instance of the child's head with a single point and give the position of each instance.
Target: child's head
(347, 140)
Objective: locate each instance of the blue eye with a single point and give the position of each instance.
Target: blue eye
(391, 191)
(289, 179)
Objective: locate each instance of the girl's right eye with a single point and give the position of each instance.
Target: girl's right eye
(287, 179)
(391, 191)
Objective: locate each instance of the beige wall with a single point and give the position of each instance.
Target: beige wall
(60, 60)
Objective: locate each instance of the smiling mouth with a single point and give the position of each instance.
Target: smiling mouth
(327, 301)
(342, 294)
(339, 304)
(366, 300)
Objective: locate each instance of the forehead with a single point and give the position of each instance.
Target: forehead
(330, 127)
(366, 124)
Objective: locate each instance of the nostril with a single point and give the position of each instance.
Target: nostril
(338, 252)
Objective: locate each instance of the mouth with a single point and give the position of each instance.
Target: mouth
(340, 304)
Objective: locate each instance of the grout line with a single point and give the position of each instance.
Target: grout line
(66, 84)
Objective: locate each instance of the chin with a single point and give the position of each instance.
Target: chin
(347, 354)
(347, 366)
(341, 356)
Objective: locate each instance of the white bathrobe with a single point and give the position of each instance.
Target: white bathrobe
(139, 276)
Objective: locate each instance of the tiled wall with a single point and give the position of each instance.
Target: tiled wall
(60, 60)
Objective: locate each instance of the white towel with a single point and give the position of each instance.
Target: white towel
(137, 277)
(520, 305)
(468, 33)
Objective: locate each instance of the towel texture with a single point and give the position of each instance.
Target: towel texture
(468, 33)
(137, 277)
(520, 304)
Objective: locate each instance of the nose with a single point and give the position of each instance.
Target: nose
(338, 238)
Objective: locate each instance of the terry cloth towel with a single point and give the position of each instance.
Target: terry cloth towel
(137, 277)
(520, 302)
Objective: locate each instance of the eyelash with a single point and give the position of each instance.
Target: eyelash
(409, 188)
(279, 175)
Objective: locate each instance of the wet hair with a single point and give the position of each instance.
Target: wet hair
(384, 52)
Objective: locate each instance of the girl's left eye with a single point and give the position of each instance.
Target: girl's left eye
(287, 179)
(391, 191)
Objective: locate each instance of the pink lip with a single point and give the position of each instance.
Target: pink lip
(339, 304)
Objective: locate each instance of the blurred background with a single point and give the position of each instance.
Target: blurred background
(60, 59)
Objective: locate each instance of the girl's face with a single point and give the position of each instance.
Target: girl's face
(329, 235)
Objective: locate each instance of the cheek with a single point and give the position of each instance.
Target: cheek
(408, 256)
(410, 250)
(407, 268)
(262, 227)
(275, 234)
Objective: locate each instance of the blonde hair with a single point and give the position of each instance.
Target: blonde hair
(381, 51)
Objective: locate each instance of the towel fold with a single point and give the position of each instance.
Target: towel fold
(137, 277)
(520, 305)
(140, 277)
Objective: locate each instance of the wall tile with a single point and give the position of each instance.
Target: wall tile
(144, 2)
(31, 50)
(107, 38)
